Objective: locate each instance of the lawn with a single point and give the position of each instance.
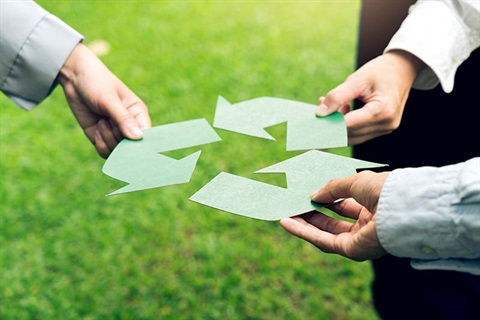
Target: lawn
(69, 252)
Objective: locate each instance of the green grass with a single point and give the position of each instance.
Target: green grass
(69, 252)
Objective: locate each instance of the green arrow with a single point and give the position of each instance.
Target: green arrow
(305, 131)
(140, 164)
(305, 173)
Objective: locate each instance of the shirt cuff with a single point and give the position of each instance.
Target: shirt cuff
(33, 74)
(424, 214)
(462, 265)
(437, 36)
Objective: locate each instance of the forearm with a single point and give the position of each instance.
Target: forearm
(432, 213)
(442, 34)
(33, 55)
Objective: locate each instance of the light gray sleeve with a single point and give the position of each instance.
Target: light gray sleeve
(433, 216)
(34, 45)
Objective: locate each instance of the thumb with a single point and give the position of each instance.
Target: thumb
(339, 97)
(125, 121)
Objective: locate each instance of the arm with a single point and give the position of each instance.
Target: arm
(40, 51)
(441, 217)
(33, 45)
(435, 38)
(429, 214)
(442, 34)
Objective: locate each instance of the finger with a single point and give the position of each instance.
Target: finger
(374, 119)
(129, 127)
(365, 187)
(140, 112)
(90, 132)
(106, 132)
(343, 110)
(348, 208)
(116, 131)
(324, 241)
(302, 229)
(367, 116)
(329, 224)
(340, 97)
(135, 106)
(335, 189)
(101, 146)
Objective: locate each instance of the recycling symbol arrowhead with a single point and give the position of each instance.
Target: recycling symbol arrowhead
(140, 164)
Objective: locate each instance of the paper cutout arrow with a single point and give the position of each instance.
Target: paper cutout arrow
(140, 164)
(305, 173)
(305, 131)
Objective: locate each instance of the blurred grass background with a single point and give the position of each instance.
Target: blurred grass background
(69, 252)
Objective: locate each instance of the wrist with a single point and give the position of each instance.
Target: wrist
(69, 69)
(409, 65)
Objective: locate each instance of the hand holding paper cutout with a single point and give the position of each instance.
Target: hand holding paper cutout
(259, 200)
(106, 109)
(355, 240)
(383, 84)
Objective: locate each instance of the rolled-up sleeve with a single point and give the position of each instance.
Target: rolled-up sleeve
(433, 216)
(442, 34)
(34, 45)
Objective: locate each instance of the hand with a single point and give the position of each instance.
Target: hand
(383, 84)
(356, 240)
(106, 109)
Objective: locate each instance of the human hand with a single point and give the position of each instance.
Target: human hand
(356, 240)
(383, 84)
(106, 109)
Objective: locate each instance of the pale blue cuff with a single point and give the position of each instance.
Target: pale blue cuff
(462, 265)
(431, 213)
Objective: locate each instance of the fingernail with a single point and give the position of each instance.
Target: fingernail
(322, 109)
(136, 132)
(314, 194)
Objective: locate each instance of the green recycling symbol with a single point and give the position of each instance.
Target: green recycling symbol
(141, 164)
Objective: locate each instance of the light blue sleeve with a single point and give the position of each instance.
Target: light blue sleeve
(433, 216)
(34, 45)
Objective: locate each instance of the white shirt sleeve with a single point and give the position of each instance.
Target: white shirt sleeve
(441, 33)
(433, 216)
(34, 45)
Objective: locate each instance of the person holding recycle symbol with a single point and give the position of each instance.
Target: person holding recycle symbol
(420, 223)
(39, 51)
